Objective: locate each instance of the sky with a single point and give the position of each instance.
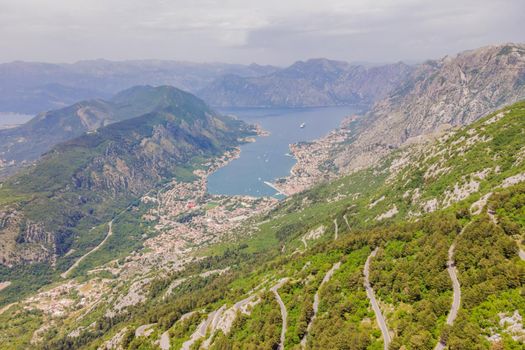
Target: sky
(275, 32)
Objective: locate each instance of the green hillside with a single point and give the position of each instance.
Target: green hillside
(23, 145)
(63, 203)
(463, 189)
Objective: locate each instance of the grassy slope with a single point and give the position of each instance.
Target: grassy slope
(409, 273)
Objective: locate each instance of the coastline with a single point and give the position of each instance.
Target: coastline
(314, 160)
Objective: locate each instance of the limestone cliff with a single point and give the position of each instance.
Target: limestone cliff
(448, 92)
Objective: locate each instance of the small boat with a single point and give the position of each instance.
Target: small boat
(302, 125)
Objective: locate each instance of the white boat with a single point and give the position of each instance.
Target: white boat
(302, 125)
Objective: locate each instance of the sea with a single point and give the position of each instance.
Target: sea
(269, 158)
(8, 119)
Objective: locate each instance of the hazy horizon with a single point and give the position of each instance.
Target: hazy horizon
(244, 32)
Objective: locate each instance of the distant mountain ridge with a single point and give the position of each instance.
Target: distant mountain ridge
(311, 83)
(32, 87)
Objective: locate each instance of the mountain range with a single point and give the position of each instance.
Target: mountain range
(32, 87)
(411, 236)
(26, 143)
(439, 94)
(383, 243)
(312, 83)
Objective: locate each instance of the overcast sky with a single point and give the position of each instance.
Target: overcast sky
(245, 31)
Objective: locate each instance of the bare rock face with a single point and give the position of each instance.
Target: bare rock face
(21, 242)
(313, 83)
(35, 233)
(450, 91)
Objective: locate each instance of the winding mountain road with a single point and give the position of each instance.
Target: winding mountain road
(456, 287)
(375, 306)
(346, 221)
(326, 278)
(75, 265)
(284, 312)
(452, 271)
(202, 328)
(110, 232)
(456, 299)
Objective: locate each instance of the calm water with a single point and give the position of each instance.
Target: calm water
(7, 118)
(267, 159)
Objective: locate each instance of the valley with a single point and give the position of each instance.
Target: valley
(159, 223)
(173, 260)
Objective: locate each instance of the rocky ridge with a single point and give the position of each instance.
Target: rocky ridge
(312, 83)
(438, 94)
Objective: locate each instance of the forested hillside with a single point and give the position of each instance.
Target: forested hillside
(56, 211)
(364, 262)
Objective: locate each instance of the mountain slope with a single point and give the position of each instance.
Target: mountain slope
(463, 189)
(438, 94)
(24, 144)
(83, 182)
(316, 82)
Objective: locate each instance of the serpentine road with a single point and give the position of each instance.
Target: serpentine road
(375, 306)
(452, 271)
(74, 266)
(202, 328)
(456, 301)
(326, 278)
(456, 288)
(284, 312)
(346, 221)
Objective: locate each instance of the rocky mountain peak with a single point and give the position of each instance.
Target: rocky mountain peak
(452, 90)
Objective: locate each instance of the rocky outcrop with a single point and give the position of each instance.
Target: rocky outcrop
(316, 82)
(35, 233)
(22, 242)
(438, 94)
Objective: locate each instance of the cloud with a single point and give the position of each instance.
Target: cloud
(271, 31)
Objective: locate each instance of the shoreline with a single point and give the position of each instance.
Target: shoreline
(279, 192)
(313, 159)
(310, 157)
